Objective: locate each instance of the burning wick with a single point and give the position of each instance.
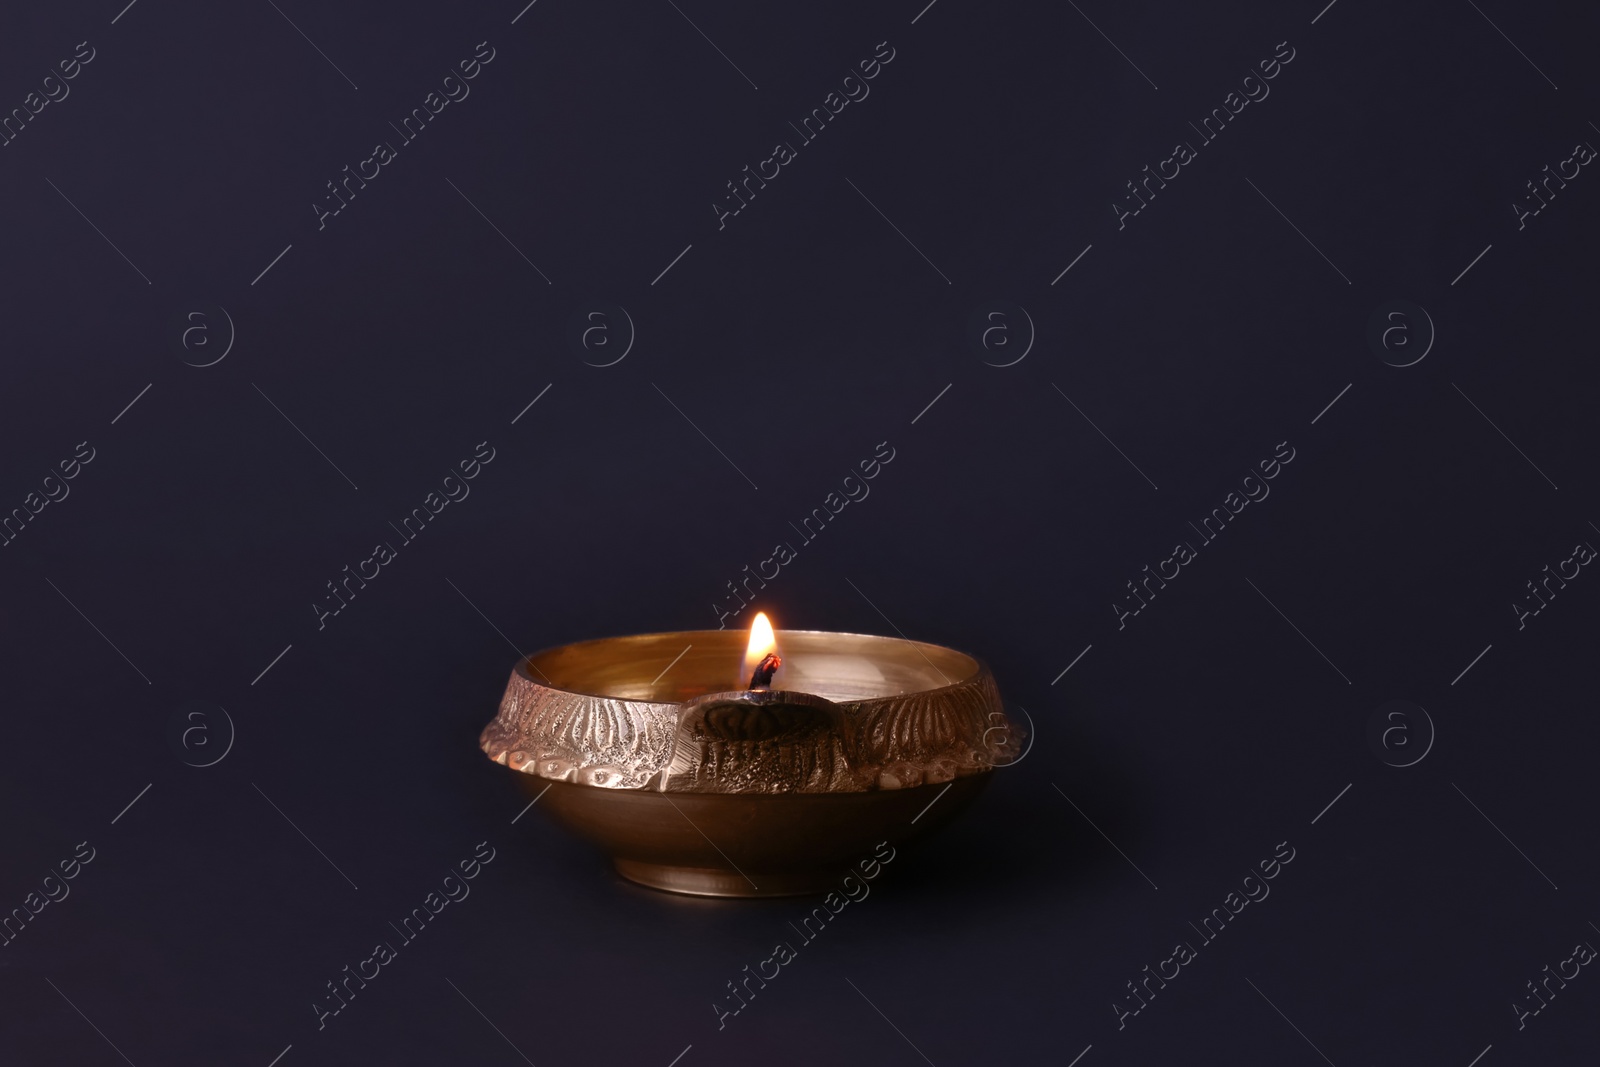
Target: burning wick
(761, 677)
(761, 657)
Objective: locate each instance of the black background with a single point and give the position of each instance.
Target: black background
(1211, 727)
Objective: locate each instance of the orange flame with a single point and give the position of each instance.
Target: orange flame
(763, 644)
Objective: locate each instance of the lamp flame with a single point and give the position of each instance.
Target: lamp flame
(761, 659)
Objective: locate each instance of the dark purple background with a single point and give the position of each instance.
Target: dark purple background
(1212, 727)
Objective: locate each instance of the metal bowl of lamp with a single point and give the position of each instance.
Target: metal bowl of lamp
(648, 746)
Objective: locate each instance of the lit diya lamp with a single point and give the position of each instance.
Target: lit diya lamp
(694, 787)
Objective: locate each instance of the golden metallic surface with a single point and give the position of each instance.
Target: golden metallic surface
(695, 785)
(873, 713)
(750, 844)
